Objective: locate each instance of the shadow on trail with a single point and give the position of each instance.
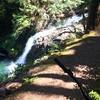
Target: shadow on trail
(86, 54)
(51, 90)
(65, 78)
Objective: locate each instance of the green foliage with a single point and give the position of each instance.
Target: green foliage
(31, 14)
(22, 19)
(28, 9)
(86, 2)
(8, 44)
(72, 37)
(3, 77)
(94, 95)
(27, 6)
(29, 80)
(20, 22)
(60, 6)
(54, 48)
(40, 59)
(21, 69)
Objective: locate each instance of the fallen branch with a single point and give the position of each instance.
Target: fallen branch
(67, 70)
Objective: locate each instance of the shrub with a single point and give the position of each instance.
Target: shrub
(94, 95)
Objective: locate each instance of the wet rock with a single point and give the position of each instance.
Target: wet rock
(2, 92)
(13, 86)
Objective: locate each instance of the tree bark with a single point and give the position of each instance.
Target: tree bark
(92, 15)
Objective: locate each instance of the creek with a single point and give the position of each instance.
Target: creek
(8, 66)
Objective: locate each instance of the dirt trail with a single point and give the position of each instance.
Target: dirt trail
(53, 84)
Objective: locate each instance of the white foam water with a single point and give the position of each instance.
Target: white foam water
(31, 41)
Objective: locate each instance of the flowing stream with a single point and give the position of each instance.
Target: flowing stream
(9, 66)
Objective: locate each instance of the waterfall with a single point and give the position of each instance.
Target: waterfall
(67, 21)
(43, 33)
(22, 58)
(31, 41)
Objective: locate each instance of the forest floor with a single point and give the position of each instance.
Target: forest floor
(51, 83)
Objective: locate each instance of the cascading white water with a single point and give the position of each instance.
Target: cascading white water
(22, 58)
(31, 41)
(68, 22)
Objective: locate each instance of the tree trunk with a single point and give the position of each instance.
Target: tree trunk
(92, 15)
